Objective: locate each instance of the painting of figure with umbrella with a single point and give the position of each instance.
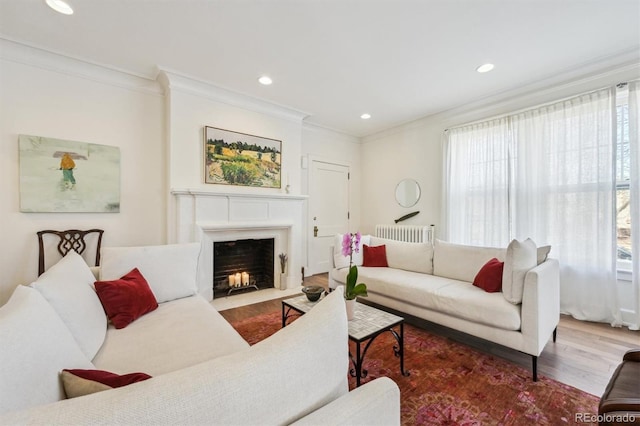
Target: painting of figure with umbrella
(59, 175)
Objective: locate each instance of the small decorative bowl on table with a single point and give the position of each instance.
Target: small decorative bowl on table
(313, 292)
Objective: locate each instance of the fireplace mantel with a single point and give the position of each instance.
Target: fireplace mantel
(208, 216)
(241, 226)
(209, 193)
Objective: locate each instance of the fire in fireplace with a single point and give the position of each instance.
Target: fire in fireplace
(241, 265)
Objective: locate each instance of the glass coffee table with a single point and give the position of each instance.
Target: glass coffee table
(367, 324)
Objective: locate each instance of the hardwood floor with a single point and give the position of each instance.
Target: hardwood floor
(584, 355)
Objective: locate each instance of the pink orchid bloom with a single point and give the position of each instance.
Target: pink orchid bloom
(346, 244)
(356, 248)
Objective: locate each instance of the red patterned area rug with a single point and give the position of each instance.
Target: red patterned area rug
(453, 384)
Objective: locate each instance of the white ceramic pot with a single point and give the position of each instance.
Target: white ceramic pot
(283, 281)
(351, 308)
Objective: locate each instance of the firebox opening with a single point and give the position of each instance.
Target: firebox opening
(242, 265)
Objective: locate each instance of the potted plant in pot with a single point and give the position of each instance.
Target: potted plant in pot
(350, 245)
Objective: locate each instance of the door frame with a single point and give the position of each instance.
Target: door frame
(310, 180)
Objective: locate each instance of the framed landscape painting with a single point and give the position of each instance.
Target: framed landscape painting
(58, 175)
(233, 158)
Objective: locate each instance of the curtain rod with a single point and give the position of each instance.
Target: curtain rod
(506, 114)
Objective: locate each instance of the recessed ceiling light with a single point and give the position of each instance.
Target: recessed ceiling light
(60, 6)
(365, 116)
(265, 80)
(485, 68)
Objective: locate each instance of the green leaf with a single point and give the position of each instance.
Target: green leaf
(352, 277)
(360, 290)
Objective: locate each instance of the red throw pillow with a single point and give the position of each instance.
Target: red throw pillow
(374, 256)
(127, 299)
(84, 382)
(489, 278)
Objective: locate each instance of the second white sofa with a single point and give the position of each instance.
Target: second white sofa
(434, 282)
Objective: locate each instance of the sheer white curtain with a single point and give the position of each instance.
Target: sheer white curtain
(549, 174)
(477, 184)
(564, 195)
(634, 186)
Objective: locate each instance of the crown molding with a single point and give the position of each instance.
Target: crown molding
(176, 81)
(25, 54)
(313, 127)
(590, 76)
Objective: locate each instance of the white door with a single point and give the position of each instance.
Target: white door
(329, 210)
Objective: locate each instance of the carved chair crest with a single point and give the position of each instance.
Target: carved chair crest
(72, 239)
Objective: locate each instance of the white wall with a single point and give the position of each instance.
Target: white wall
(409, 152)
(47, 95)
(192, 105)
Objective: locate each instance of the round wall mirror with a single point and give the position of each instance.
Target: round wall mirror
(407, 193)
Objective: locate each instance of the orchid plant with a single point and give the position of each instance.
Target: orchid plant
(350, 245)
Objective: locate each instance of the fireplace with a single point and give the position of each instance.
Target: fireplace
(241, 265)
(212, 217)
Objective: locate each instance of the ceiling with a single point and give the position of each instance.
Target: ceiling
(398, 60)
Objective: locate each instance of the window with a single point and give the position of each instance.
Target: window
(570, 183)
(623, 169)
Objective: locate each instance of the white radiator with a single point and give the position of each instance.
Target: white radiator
(408, 233)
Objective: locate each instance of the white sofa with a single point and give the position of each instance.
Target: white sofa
(434, 282)
(203, 371)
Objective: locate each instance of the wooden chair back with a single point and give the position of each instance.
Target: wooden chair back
(72, 239)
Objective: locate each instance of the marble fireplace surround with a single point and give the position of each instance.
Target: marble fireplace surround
(209, 217)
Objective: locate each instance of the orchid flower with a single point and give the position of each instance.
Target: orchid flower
(350, 245)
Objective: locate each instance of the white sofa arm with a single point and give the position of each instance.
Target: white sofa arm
(374, 403)
(333, 284)
(541, 305)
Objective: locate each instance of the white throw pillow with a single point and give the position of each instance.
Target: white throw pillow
(462, 262)
(341, 261)
(520, 258)
(68, 287)
(543, 253)
(416, 257)
(171, 270)
(35, 345)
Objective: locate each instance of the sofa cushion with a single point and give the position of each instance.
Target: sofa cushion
(35, 344)
(520, 258)
(374, 256)
(490, 276)
(416, 257)
(79, 382)
(462, 262)
(68, 287)
(127, 299)
(456, 298)
(341, 261)
(171, 270)
(178, 334)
